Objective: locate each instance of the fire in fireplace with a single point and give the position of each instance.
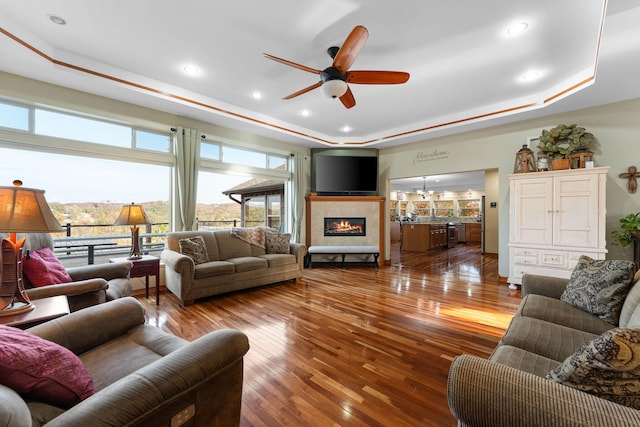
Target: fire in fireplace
(345, 227)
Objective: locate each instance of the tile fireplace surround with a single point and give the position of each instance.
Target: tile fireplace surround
(369, 208)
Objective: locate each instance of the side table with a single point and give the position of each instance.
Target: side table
(146, 266)
(44, 309)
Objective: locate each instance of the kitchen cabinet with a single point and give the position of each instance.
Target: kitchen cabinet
(555, 217)
(437, 236)
(469, 208)
(443, 207)
(422, 208)
(473, 233)
(419, 237)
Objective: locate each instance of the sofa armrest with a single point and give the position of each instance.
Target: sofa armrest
(13, 410)
(69, 289)
(205, 374)
(107, 271)
(90, 327)
(299, 250)
(485, 393)
(180, 263)
(93, 291)
(552, 287)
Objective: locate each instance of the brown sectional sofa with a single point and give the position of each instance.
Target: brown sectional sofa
(510, 389)
(234, 264)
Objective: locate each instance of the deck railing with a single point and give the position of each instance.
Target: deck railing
(95, 243)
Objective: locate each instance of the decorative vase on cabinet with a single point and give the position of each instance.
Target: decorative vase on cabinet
(554, 218)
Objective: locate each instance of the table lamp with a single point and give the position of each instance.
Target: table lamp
(22, 210)
(133, 215)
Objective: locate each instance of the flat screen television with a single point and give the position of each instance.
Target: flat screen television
(345, 175)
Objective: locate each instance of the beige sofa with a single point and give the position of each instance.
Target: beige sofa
(509, 389)
(233, 264)
(142, 376)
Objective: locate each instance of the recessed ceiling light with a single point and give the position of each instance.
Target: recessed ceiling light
(256, 95)
(516, 29)
(305, 113)
(531, 76)
(191, 70)
(345, 129)
(56, 19)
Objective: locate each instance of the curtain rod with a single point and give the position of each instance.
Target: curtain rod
(201, 136)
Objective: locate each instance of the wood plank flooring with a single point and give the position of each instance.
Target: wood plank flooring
(359, 346)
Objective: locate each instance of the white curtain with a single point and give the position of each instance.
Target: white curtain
(187, 148)
(297, 194)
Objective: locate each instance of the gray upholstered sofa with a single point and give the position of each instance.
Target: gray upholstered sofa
(142, 376)
(510, 388)
(233, 264)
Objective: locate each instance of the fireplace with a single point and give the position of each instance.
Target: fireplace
(341, 226)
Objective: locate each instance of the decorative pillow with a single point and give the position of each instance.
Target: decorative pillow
(42, 268)
(42, 370)
(608, 366)
(600, 287)
(255, 236)
(277, 243)
(195, 248)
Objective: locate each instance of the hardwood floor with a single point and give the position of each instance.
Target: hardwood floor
(359, 346)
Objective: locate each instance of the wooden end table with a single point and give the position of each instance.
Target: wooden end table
(146, 266)
(44, 309)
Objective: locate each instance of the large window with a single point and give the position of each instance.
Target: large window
(87, 192)
(90, 166)
(214, 209)
(241, 156)
(76, 127)
(14, 117)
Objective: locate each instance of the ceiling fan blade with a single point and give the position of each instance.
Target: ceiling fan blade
(305, 90)
(347, 99)
(377, 77)
(350, 49)
(293, 64)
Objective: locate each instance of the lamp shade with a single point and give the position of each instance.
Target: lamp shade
(132, 215)
(25, 210)
(22, 210)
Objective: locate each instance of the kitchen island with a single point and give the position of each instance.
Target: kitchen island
(424, 237)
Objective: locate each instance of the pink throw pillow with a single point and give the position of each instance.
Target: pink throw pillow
(42, 370)
(42, 268)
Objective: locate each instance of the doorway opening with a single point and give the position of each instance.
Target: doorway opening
(420, 208)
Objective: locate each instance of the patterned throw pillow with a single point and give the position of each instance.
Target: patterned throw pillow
(599, 287)
(277, 243)
(608, 366)
(195, 248)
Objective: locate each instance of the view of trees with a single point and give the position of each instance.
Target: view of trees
(96, 219)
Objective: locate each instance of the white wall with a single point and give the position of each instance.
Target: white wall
(617, 127)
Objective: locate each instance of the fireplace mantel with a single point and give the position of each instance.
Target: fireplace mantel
(369, 207)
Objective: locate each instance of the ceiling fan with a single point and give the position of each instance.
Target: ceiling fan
(334, 79)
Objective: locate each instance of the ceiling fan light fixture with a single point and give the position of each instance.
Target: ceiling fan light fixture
(334, 88)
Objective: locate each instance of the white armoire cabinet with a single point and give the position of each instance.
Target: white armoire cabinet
(555, 217)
